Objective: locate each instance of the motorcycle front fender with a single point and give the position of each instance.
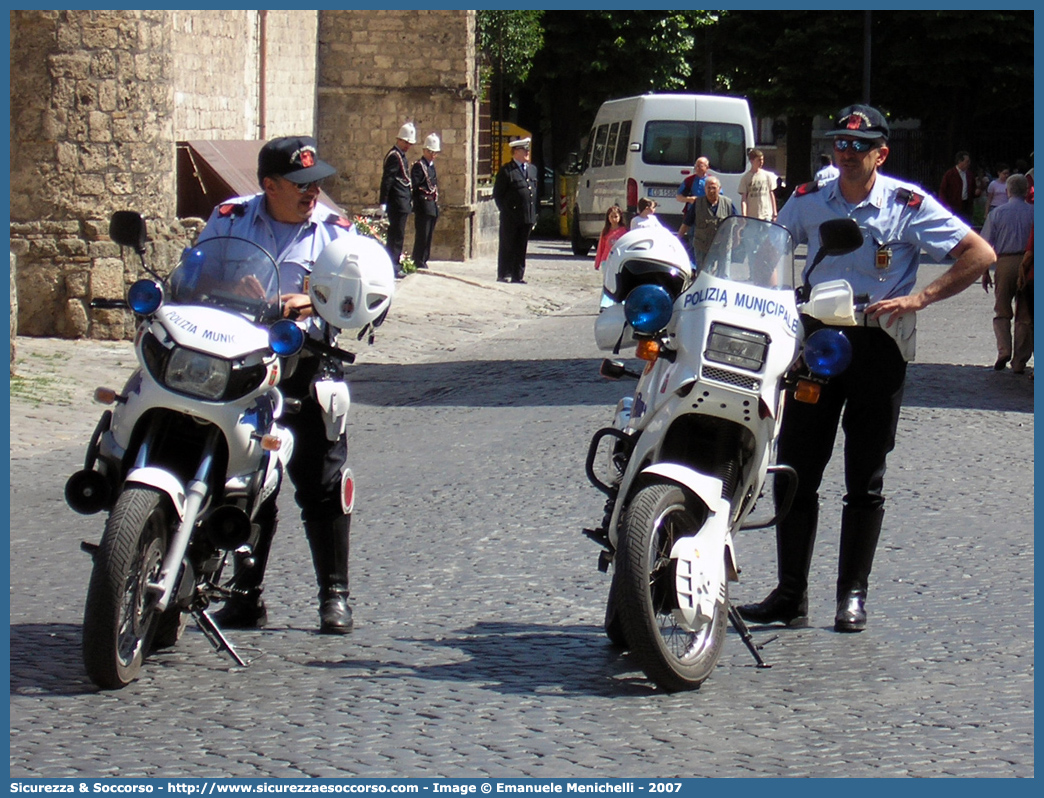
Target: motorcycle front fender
(704, 560)
(159, 479)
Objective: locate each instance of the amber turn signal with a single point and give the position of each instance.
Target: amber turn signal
(647, 350)
(807, 391)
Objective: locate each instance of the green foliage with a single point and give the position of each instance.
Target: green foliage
(510, 39)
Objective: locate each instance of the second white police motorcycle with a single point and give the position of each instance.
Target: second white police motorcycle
(687, 456)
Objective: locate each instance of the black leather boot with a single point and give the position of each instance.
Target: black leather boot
(860, 531)
(247, 610)
(788, 602)
(330, 543)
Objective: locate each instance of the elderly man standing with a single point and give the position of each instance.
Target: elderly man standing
(515, 193)
(898, 220)
(1007, 229)
(708, 213)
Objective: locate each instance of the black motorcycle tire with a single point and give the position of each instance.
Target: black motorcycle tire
(117, 629)
(581, 245)
(613, 624)
(674, 659)
(170, 626)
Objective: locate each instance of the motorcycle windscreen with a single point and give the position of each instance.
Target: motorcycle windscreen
(752, 251)
(231, 273)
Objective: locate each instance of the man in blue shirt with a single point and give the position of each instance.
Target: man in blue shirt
(287, 219)
(1008, 233)
(898, 220)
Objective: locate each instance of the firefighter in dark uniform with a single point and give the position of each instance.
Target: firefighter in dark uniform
(396, 197)
(898, 220)
(425, 200)
(287, 219)
(515, 192)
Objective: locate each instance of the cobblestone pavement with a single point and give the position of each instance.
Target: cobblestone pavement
(478, 647)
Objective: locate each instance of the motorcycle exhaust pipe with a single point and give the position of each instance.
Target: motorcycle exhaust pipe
(87, 492)
(227, 527)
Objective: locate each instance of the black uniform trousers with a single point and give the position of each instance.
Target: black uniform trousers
(424, 227)
(866, 399)
(511, 257)
(396, 235)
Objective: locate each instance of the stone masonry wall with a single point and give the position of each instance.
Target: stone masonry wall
(91, 132)
(99, 99)
(378, 69)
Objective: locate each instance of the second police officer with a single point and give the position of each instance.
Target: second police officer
(897, 220)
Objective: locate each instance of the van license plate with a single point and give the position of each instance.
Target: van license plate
(663, 191)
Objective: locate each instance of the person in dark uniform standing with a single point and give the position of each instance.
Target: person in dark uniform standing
(898, 220)
(289, 222)
(397, 193)
(425, 200)
(515, 192)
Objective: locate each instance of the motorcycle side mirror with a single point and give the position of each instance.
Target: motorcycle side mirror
(836, 237)
(127, 228)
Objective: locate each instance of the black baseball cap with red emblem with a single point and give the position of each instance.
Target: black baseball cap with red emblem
(293, 157)
(860, 122)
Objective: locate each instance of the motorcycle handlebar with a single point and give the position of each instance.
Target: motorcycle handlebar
(325, 349)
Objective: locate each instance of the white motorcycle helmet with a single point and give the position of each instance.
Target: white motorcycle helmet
(352, 282)
(646, 255)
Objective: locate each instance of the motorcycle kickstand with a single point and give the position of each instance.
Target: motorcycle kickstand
(214, 635)
(748, 639)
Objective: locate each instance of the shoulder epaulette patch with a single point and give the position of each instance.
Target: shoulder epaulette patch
(340, 221)
(232, 209)
(911, 199)
(806, 188)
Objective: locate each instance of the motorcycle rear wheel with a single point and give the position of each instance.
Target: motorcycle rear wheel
(672, 657)
(117, 627)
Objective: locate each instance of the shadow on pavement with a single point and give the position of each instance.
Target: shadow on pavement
(548, 383)
(520, 659)
(45, 660)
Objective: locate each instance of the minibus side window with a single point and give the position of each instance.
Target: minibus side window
(599, 146)
(610, 144)
(623, 142)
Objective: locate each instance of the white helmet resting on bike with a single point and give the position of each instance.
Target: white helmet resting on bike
(646, 255)
(352, 282)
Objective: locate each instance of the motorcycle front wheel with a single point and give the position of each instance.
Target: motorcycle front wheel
(672, 657)
(117, 626)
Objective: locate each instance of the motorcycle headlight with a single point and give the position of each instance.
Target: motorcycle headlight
(736, 346)
(648, 308)
(827, 352)
(197, 374)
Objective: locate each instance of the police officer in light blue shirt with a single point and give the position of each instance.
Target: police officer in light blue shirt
(898, 220)
(287, 219)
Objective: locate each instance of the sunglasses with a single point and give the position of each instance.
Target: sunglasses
(857, 145)
(303, 188)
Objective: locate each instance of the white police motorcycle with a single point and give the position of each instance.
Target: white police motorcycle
(192, 454)
(687, 455)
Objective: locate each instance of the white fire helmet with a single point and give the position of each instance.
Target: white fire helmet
(432, 143)
(352, 282)
(646, 255)
(408, 133)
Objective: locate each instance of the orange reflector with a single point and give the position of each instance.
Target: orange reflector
(105, 396)
(647, 350)
(270, 443)
(807, 392)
